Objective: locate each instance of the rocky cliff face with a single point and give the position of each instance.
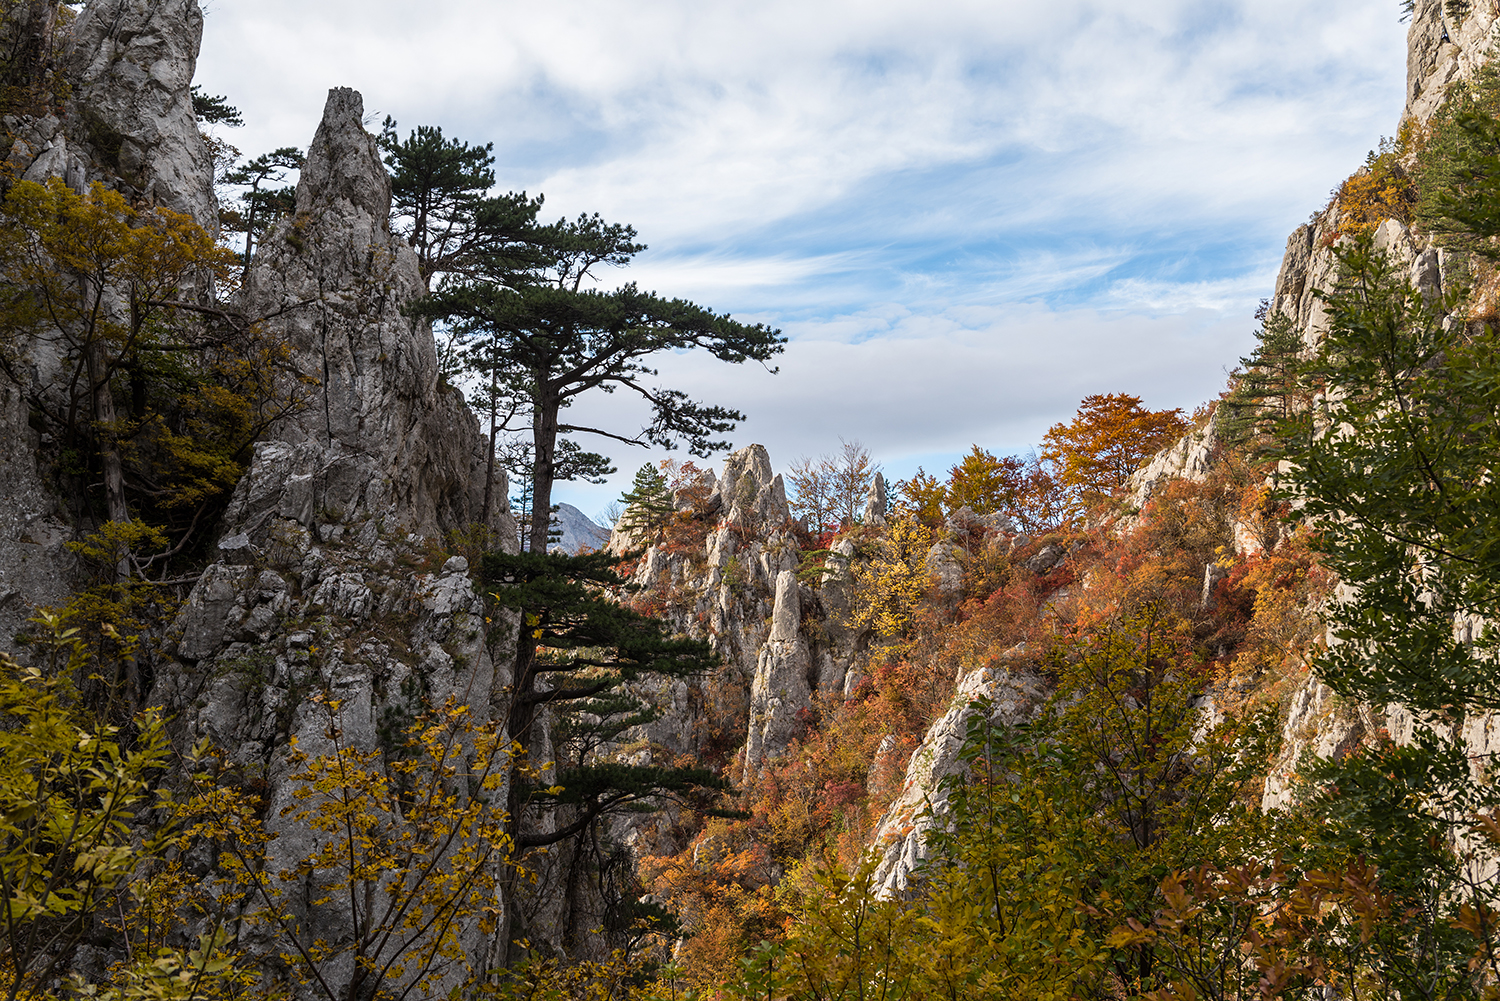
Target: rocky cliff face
(334, 570)
(381, 438)
(125, 121)
(333, 575)
(1441, 52)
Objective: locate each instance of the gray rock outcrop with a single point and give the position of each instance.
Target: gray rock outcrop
(749, 492)
(326, 580)
(781, 688)
(1012, 695)
(579, 532)
(875, 503)
(782, 640)
(381, 437)
(1441, 51)
(131, 67)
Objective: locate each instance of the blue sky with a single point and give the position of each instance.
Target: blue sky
(965, 215)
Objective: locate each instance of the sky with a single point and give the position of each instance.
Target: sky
(964, 215)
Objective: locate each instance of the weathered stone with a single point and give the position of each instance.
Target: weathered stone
(901, 836)
(875, 502)
(781, 687)
(131, 69)
(1046, 558)
(381, 440)
(1212, 574)
(947, 572)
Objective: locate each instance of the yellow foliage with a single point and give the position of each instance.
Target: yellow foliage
(70, 790)
(1381, 189)
(891, 582)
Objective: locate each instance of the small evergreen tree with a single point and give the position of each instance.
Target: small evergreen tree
(1270, 389)
(262, 207)
(1403, 495)
(648, 505)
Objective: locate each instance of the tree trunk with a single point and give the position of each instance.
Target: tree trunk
(544, 439)
(109, 452)
(489, 471)
(104, 420)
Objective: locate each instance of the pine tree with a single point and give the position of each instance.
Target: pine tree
(1270, 389)
(215, 109)
(553, 340)
(520, 304)
(648, 505)
(582, 651)
(263, 206)
(440, 187)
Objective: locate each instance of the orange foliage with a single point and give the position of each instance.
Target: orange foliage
(1381, 189)
(741, 881)
(1022, 487)
(1108, 439)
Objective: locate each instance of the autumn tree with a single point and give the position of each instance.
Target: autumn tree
(1024, 488)
(889, 582)
(405, 853)
(1107, 440)
(832, 488)
(1381, 189)
(70, 790)
(926, 496)
(98, 280)
(983, 482)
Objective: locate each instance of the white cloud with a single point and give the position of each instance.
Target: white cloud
(933, 384)
(967, 213)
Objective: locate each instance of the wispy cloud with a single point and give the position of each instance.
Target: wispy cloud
(966, 213)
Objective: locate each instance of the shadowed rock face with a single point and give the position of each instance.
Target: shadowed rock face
(127, 122)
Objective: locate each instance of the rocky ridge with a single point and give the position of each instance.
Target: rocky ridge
(335, 569)
(1440, 53)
